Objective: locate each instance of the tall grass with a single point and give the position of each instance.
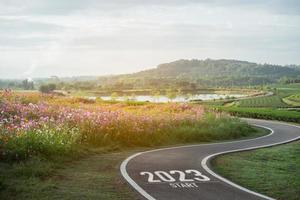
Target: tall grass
(50, 126)
(46, 142)
(212, 129)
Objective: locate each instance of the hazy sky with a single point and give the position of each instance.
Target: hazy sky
(96, 37)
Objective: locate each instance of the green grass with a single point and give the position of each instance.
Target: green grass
(273, 101)
(40, 162)
(63, 140)
(89, 174)
(273, 171)
(286, 86)
(219, 130)
(263, 113)
(270, 101)
(46, 142)
(93, 177)
(293, 100)
(276, 107)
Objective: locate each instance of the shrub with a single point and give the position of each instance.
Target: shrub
(47, 88)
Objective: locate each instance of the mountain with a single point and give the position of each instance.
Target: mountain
(212, 73)
(184, 74)
(199, 69)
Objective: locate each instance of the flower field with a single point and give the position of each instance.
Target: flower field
(34, 124)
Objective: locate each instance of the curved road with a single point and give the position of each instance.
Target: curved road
(183, 173)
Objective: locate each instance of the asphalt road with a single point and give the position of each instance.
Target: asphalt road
(184, 173)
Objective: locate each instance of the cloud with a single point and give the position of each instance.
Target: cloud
(58, 7)
(128, 35)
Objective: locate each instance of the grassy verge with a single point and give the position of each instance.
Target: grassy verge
(87, 177)
(273, 171)
(263, 113)
(88, 174)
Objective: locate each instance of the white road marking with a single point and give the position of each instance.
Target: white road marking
(131, 181)
(205, 160)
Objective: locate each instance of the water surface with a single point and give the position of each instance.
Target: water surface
(165, 99)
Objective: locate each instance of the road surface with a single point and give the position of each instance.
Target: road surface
(184, 173)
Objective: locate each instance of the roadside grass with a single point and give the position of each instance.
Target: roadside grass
(48, 141)
(271, 171)
(47, 125)
(94, 176)
(262, 113)
(215, 130)
(90, 173)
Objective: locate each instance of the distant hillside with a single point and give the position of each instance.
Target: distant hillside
(190, 74)
(199, 69)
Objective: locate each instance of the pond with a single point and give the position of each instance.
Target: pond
(165, 99)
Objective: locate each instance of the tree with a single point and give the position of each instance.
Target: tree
(27, 84)
(47, 88)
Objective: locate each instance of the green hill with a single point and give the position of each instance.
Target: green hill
(191, 74)
(219, 68)
(184, 74)
(216, 73)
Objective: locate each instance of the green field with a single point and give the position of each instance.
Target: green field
(263, 113)
(293, 100)
(274, 101)
(276, 169)
(282, 105)
(272, 171)
(294, 86)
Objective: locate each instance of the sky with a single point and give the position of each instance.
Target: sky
(42, 38)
